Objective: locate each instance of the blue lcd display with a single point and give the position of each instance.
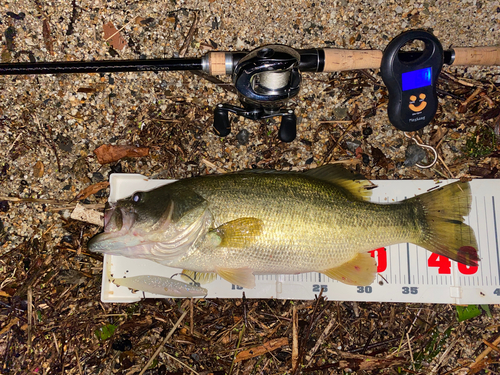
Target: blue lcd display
(417, 78)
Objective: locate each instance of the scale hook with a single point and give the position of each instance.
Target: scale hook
(430, 148)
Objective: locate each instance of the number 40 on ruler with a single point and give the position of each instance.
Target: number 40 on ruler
(442, 263)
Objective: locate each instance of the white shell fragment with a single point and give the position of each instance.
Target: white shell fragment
(161, 285)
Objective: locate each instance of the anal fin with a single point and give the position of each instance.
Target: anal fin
(243, 277)
(361, 270)
(199, 277)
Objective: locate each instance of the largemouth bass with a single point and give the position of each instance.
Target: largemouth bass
(241, 224)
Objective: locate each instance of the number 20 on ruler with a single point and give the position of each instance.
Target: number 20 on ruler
(442, 263)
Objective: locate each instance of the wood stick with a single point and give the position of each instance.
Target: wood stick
(268, 346)
(490, 345)
(160, 347)
(295, 342)
(487, 350)
(30, 316)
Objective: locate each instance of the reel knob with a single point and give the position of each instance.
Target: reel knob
(288, 128)
(221, 121)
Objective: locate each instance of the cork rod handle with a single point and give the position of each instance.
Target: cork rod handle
(487, 56)
(343, 59)
(337, 60)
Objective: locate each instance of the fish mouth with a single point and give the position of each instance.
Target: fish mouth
(117, 226)
(113, 218)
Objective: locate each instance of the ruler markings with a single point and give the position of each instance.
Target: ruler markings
(399, 262)
(488, 236)
(496, 232)
(408, 261)
(478, 235)
(418, 268)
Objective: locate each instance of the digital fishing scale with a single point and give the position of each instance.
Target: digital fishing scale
(411, 79)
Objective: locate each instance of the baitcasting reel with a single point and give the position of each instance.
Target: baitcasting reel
(265, 79)
(269, 76)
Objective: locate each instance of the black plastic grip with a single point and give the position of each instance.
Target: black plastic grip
(411, 80)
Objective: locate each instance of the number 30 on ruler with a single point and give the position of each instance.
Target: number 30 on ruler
(442, 263)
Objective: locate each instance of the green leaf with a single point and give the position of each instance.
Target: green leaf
(105, 332)
(467, 312)
(486, 309)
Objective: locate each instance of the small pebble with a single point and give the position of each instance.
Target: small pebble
(64, 143)
(116, 168)
(67, 238)
(414, 155)
(80, 170)
(367, 131)
(97, 177)
(5, 169)
(243, 136)
(71, 276)
(366, 159)
(3, 234)
(15, 16)
(4, 206)
(38, 169)
(283, 356)
(352, 145)
(340, 113)
(122, 344)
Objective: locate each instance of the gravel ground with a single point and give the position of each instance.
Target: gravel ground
(51, 125)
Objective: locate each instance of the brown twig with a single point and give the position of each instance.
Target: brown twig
(481, 356)
(261, 349)
(160, 347)
(466, 102)
(322, 338)
(30, 316)
(492, 346)
(189, 37)
(51, 142)
(295, 337)
(306, 335)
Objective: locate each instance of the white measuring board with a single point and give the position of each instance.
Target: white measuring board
(406, 273)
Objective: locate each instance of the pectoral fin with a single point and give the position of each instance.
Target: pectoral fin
(360, 270)
(240, 232)
(238, 276)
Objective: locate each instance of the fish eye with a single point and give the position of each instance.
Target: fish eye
(137, 197)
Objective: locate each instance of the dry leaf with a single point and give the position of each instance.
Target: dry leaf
(109, 154)
(268, 346)
(114, 37)
(92, 189)
(49, 44)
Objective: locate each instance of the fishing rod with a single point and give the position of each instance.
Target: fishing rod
(267, 77)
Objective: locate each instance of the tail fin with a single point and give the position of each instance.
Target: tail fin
(445, 232)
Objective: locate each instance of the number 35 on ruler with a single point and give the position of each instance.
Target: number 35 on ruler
(442, 263)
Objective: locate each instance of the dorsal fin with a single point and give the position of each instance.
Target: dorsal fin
(353, 183)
